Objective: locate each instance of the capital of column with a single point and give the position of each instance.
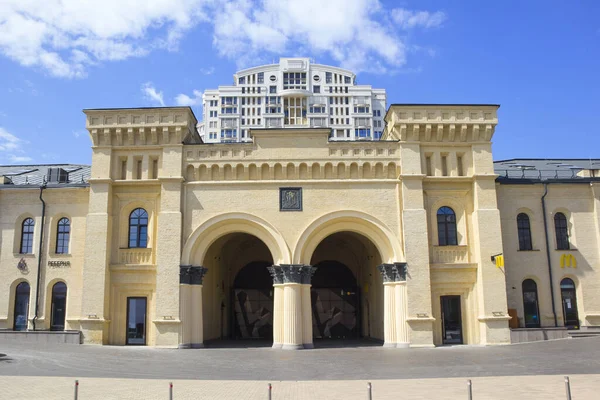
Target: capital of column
(292, 273)
(394, 272)
(191, 275)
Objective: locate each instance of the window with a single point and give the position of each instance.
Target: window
(446, 221)
(316, 89)
(295, 111)
(21, 311)
(362, 133)
(530, 304)
(272, 89)
(63, 232)
(317, 109)
(138, 228)
(272, 78)
(27, 236)
(241, 80)
(328, 77)
(228, 133)
(347, 80)
(524, 230)
(562, 231)
(261, 77)
(377, 135)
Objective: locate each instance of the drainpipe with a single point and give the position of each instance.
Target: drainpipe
(39, 268)
(548, 253)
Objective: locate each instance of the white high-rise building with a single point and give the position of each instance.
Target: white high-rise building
(293, 94)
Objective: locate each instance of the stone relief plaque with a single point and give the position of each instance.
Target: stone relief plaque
(290, 199)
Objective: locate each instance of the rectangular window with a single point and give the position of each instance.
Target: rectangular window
(316, 89)
(347, 80)
(272, 89)
(241, 80)
(377, 135)
(124, 169)
(327, 77)
(228, 133)
(261, 77)
(362, 133)
(444, 165)
(459, 165)
(155, 168)
(138, 169)
(243, 91)
(428, 169)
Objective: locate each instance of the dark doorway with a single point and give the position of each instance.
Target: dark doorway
(335, 301)
(59, 307)
(21, 306)
(569, 303)
(451, 320)
(136, 320)
(530, 304)
(252, 299)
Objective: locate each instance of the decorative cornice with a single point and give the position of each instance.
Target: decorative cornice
(276, 274)
(191, 275)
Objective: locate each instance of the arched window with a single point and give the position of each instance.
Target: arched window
(63, 232)
(530, 304)
(27, 236)
(21, 307)
(446, 221)
(524, 230)
(562, 231)
(138, 228)
(58, 307)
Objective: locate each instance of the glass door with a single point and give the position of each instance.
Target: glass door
(451, 320)
(59, 306)
(21, 307)
(569, 303)
(136, 320)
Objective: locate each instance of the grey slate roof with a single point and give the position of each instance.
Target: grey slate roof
(538, 169)
(36, 175)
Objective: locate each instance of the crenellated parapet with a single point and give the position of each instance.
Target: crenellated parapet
(132, 127)
(441, 123)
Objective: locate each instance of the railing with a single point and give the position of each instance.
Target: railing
(365, 122)
(531, 173)
(273, 122)
(318, 122)
(450, 254)
(317, 100)
(228, 123)
(135, 256)
(361, 100)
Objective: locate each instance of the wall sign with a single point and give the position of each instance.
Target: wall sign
(59, 264)
(290, 199)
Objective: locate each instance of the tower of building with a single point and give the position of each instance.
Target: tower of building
(294, 93)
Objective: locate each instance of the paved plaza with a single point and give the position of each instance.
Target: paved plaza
(531, 370)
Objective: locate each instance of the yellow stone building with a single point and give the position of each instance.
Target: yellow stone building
(168, 241)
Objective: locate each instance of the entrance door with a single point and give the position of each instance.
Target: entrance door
(569, 303)
(136, 320)
(451, 320)
(59, 305)
(21, 307)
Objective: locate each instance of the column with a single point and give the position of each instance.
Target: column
(401, 305)
(185, 314)
(197, 331)
(292, 316)
(307, 328)
(387, 272)
(277, 276)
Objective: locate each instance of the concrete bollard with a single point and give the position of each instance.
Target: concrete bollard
(369, 391)
(170, 390)
(76, 390)
(270, 390)
(469, 390)
(568, 387)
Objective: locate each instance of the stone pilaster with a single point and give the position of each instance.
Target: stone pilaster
(395, 306)
(190, 284)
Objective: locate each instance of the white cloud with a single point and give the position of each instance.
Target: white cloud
(185, 100)
(355, 33)
(410, 19)
(66, 37)
(11, 146)
(207, 71)
(63, 37)
(153, 95)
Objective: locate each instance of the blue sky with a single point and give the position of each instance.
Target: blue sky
(539, 59)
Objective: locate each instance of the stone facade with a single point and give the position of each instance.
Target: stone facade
(360, 257)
